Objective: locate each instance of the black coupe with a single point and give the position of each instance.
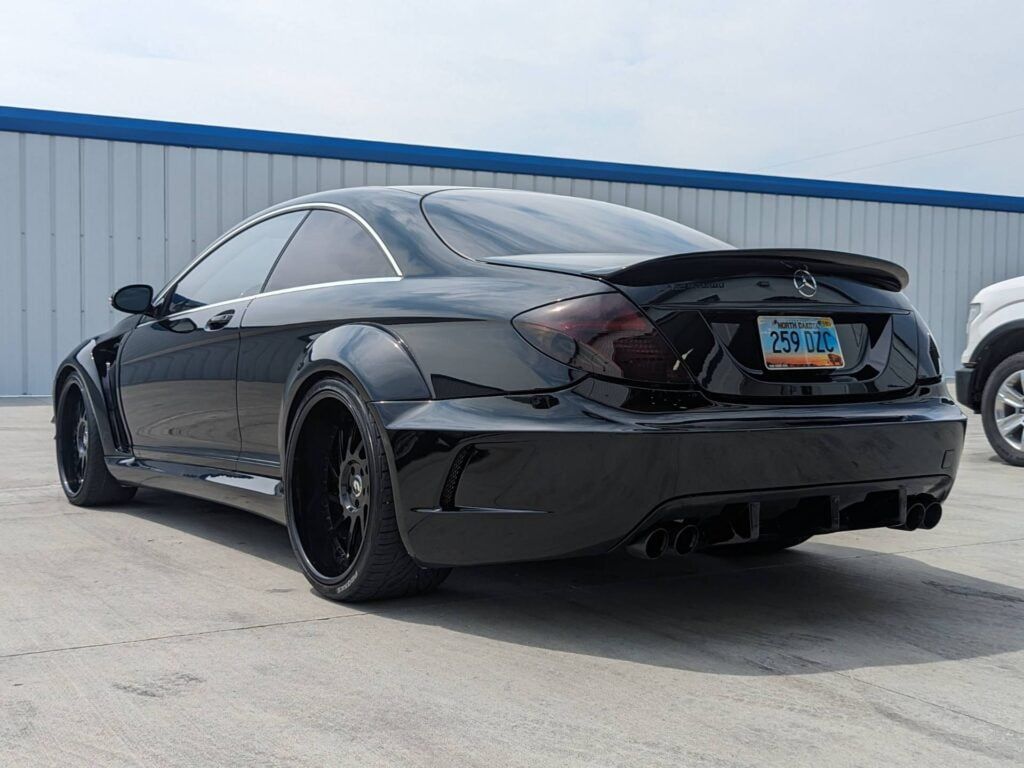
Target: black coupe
(417, 378)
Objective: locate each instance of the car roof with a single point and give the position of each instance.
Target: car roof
(351, 194)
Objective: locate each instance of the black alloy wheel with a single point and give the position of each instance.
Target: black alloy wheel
(341, 511)
(335, 536)
(80, 463)
(349, 475)
(73, 441)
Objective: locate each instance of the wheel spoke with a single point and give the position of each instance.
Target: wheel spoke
(1009, 424)
(353, 534)
(352, 440)
(1010, 397)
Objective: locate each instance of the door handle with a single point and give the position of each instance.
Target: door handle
(219, 320)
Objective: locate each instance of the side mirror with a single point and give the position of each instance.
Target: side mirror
(133, 299)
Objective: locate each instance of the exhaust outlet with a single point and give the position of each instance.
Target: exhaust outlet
(686, 540)
(915, 516)
(932, 515)
(650, 545)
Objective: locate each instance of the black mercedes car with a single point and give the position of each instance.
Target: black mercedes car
(418, 378)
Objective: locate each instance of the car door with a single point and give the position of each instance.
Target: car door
(328, 274)
(178, 370)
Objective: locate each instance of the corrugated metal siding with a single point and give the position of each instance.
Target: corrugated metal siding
(79, 217)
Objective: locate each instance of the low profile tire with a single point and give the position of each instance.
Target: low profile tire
(759, 547)
(83, 472)
(1002, 409)
(341, 510)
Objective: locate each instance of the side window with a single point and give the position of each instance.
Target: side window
(238, 267)
(327, 248)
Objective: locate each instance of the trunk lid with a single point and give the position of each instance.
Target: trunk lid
(708, 303)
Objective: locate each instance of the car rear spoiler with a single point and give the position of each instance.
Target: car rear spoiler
(739, 261)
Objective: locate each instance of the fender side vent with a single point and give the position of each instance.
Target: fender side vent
(451, 482)
(105, 357)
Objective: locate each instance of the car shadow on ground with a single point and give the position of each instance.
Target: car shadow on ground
(814, 609)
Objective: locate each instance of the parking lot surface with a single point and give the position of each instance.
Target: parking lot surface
(180, 633)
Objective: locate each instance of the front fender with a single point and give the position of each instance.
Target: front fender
(1008, 319)
(82, 362)
(82, 359)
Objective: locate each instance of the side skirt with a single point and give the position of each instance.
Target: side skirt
(253, 493)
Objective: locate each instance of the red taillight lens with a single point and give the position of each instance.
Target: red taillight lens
(603, 334)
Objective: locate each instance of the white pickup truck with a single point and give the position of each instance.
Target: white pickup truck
(991, 381)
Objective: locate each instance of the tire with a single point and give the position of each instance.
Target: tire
(1002, 406)
(341, 509)
(759, 547)
(80, 463)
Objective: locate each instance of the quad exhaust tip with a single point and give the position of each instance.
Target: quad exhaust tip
(924, 514)
(681, 540)
(932, 515)
(650, 545)
(915, 516)
(686, 540)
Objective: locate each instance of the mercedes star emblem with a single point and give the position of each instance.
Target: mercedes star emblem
(805, 283)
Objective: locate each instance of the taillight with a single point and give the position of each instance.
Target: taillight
(603, 334)
(929, 366)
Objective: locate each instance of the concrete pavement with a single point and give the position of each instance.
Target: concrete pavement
(179, 633)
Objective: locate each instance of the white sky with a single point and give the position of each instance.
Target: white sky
(733, 86)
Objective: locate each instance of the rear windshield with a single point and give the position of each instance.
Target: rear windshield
(490, 223)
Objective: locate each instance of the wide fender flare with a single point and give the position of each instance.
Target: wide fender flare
(373, 360)
(1006, 322)
(82, 362)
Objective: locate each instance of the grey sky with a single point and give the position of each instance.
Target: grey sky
(734, 86)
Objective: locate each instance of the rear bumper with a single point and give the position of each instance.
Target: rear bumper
(501, 479)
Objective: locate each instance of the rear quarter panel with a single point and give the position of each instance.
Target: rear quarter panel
(456, 330)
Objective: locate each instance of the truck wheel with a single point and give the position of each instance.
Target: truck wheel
(1002, 410)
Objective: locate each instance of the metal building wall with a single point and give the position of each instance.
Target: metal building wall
(81, 216)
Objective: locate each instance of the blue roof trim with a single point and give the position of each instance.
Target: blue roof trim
(247, 140)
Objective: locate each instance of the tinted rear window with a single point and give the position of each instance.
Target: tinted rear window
(329, 247)
(485, 224)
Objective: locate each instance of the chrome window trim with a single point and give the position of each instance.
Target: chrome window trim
(244, 225)
(293, 289)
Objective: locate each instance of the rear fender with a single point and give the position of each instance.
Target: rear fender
(371, 359)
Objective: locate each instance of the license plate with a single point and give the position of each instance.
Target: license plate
(799, 342)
